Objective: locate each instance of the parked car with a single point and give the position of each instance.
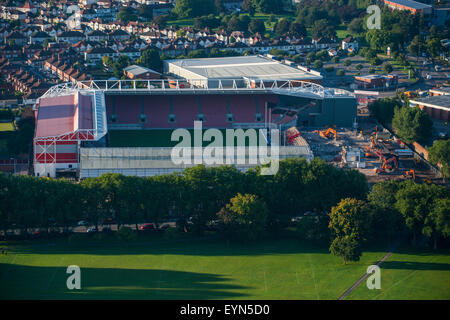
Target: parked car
(82, 223)
(164, 226)
(92, 230)
(148, 227)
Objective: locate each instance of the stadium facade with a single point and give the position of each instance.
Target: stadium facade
(76, 123)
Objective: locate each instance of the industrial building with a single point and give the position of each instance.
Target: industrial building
(413, 6)
(252, 69)
(438, 107)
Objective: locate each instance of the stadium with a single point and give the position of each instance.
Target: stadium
(85, 129)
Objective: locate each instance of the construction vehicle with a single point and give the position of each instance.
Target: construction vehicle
(291, 135)
(411, 173)
(388, 165)
(329, 133)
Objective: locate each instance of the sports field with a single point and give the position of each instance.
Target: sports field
(6, 126)
(211, 269)
(152, 138)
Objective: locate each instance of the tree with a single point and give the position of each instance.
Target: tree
(257, 26)
(194, 8)
(349, 223)
(348, 247)
(386, 220)
(282, 27)
(437, 223)
(121, 63)
(268, 6)
(234, 24)
(298, 30)
(347, 62)
(150, 58)
(439, 154)
(318, 64)
(126, 14)
(245, 213)
(412, 124)
(314, 227)
(383, 109)
(415, 45)
(107, 61)
(356, 25)
(322, 29)
(434, 47)
(146, 12)
(388, 68)
(219, 6)
(413, 202)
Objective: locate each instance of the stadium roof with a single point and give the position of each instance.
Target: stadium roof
(440, 102)
(251, 67)
(443, 90)
(409, 4)
(63, 114)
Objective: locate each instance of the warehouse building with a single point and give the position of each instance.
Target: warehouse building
(438, 107)
(254, 70)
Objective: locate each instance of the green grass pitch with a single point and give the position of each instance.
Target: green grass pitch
(211, 269)
(150, 138)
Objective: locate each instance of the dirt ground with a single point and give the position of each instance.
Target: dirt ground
(331, 150)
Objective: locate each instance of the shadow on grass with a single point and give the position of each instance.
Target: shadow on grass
(31, 282)
(415, 265)
(196, 247)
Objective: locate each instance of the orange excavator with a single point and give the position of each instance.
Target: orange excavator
(329, 133)
(369, 153)
(411, 173)
(388, 165)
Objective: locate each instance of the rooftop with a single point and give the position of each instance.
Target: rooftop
(252, 67)
(442, 102)
(410, 4)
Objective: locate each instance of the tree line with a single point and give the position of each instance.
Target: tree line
(196, 196)
(392, 209)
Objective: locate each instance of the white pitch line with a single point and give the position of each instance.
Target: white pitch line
(314, 278)
(265, 282)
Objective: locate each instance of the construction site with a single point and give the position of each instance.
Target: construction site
(371, 149)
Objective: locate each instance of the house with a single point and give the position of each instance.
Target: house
(39, 37)
(97, 35)
(350, 44)
(16, 38)
(324, 43)
(139, 72)
(118, 34)
(70, 36)
(27, 7)
(95, 55)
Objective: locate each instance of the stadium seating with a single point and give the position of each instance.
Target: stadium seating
(84, 112)
(128, 108)
(186, 109)
(214, 108)
(157, 109)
